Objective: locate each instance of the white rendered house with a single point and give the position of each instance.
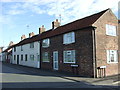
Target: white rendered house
(27, 52)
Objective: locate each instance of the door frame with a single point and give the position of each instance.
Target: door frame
(55, 61)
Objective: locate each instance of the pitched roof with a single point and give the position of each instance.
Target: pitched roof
(75, 25)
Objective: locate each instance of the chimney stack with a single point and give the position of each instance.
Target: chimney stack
(41, 29)
(31, 34)
(55, 24)
(11, 43)
(23, 37)
(1, 49)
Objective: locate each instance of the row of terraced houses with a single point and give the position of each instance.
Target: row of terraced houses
(87, 47)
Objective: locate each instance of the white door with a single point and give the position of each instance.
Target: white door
(55, 60)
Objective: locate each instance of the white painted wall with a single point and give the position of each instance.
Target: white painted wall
(0, 56)
(27, 50)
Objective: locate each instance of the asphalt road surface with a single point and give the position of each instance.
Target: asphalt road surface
(17, 77)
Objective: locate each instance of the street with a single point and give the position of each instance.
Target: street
(14, 76)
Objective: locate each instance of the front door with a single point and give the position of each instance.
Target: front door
(55, 60)
(17, 59)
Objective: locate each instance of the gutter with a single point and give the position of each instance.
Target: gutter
(94, 53)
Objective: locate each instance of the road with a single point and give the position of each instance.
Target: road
(14, 76)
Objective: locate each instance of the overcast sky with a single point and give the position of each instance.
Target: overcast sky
(16, 15)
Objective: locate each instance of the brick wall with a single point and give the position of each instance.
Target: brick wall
(83, 47)
(105, 42)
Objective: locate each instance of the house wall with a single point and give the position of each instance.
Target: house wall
(84, 53)
(105, 42)
(0, 56)
(29, 51)
(119, 46)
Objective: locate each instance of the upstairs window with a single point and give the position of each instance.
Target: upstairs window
(45, 57)
(21, 48)
(31, 57)
(69, 38)
(69, 56)
(112, 56)
(32, 45)
(45, 43)
(111, 30)
(14, 49)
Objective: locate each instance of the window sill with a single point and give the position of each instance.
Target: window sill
(112, 62)
(68, 43)
(69, 62)
(45, 61)
(45, 47)
(111, 35)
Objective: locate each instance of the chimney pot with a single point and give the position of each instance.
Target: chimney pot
(41, 29)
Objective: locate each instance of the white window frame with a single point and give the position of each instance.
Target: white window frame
(43, 54)
(69, 38)
(32, 57)
(21, 47)
(111, 30)
(72, 53)
(111, 52)
(47, 42)
(32, 45)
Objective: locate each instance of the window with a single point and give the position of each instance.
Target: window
(31, 57)
(21, 57)
(112, 56)
(110, 30)
(45, 43)
(21, 48)
(69, 56)
(32, 45)
(14, 49)
(25, 57)
(45, 57)
(14, 57)
(69, 38)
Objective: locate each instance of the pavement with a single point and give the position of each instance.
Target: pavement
(111, 81)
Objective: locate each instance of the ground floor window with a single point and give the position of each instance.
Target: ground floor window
(112, 56)
(25, 57)
(45, 57)
(21, 57)
(14, 57)
(31, 57)
(69, 56)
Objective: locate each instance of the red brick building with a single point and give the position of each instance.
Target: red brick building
(88, 46)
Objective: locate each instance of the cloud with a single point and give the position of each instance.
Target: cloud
(68, 9)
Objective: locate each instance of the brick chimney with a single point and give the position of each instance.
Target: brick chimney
(55, 24)
(23, 37)
(11, 43)
(1, 49)
(31, 34)
(41, 29)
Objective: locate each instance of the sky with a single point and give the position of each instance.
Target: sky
(18, 17)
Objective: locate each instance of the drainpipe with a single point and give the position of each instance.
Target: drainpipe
(94, 53)
(40, 52)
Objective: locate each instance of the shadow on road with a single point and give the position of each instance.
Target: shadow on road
(55, 85)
